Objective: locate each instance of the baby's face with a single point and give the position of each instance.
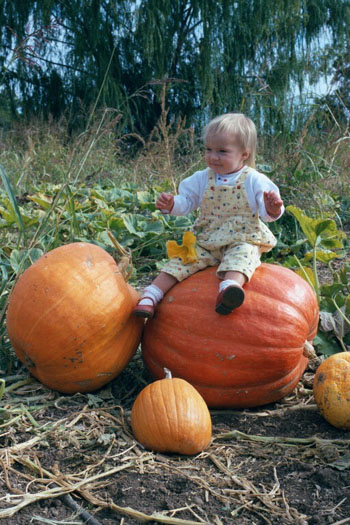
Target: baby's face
(223, 154)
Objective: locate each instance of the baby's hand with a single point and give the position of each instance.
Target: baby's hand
(165, 202)
(273, 203)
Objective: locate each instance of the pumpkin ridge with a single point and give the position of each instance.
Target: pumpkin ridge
(163, 435)
(177, 409)
(299, 314)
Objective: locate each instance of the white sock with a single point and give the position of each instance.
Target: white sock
(151, 291)
(228, 282)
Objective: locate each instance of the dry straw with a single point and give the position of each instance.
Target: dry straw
(37, 441)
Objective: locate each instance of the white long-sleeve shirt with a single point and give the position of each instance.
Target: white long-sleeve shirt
(191, 191)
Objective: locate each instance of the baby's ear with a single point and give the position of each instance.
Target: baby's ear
(245, 154)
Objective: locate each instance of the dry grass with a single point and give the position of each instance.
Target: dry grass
(315, 160)
(56, 446)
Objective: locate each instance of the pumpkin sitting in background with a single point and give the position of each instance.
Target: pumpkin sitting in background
(251, 357)
(169, 415)
(69, 318)
(332, 390)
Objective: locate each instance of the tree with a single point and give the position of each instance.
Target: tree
(336, 103)
(63, 56)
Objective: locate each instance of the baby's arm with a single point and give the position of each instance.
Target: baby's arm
(273, 203)
(165, 202)
(190, 195)
(259, 188)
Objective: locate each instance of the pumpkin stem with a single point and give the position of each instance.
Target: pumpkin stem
(309, 350)
(167, 373)
(124, 262)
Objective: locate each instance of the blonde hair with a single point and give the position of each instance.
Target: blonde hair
(240, 127)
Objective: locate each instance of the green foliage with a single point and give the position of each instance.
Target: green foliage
(320, 233)
(68, 214)
(326, 243)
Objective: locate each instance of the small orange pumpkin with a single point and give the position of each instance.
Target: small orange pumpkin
(332, 390)
(169, 415)
(69, 318)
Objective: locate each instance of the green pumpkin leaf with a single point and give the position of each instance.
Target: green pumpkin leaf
(108, 212)
(335, 242)
(41, 200)
(307, 224)
(326, 344)
(116, 224)
(323, 225)
(319, 232)
(340, 300)
(9, 217)
(182, 222)
(100, 203)
(324, 256)
(330, 290)
(155, 227)
(290, 261)
(307, 274)
(22, 259)
(34, 254)
(16, 260)
(132, 224)
(146, 199)
(326, 304)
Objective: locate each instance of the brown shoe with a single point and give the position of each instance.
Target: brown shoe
(144, 310)
(228, 299)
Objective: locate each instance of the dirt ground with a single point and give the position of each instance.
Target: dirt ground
(63, 456)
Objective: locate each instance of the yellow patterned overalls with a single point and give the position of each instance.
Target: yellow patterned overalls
(228, 233)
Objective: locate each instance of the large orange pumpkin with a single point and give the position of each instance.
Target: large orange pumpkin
(69, 318)
(251, 357)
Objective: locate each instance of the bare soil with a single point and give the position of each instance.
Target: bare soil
(65, 455)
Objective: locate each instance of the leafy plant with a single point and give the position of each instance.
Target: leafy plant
(323, 243)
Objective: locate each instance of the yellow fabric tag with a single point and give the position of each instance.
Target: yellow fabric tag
(186, 251)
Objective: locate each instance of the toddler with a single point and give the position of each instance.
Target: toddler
(232, 196)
